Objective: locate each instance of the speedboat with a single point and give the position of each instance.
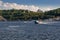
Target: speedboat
(40, 22)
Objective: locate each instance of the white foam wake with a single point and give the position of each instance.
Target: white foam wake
(46, 22)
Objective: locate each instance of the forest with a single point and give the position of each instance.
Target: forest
(15, 15)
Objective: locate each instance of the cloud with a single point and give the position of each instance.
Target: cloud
(17, 6)
(8, 5)
(47, 8)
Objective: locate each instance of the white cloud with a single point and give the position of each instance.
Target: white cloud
(47, 9)
(17, 6)
(25, 7)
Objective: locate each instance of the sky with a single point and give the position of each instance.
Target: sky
(33, 5)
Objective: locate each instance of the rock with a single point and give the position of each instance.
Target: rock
(2, 19)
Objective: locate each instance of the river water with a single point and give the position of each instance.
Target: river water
(28, 30)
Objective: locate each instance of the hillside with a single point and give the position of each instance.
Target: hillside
(19, 14)
(15, 15)
(53, 13)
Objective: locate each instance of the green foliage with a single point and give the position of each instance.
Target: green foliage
(53, 13)
(28, 15)
(19, 14)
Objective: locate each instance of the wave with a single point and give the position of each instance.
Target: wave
(13, 26)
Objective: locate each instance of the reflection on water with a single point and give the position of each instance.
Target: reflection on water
(23, 30)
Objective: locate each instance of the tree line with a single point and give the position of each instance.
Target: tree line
(13, 14)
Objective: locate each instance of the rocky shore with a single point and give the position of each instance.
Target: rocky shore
(2, 18)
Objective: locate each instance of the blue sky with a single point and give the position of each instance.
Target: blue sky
(36, 2)
(43, 4)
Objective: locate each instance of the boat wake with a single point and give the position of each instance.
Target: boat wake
(46, 22)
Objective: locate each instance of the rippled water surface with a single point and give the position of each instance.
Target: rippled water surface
(28, 30)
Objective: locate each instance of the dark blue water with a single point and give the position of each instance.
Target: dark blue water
(29, 31)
